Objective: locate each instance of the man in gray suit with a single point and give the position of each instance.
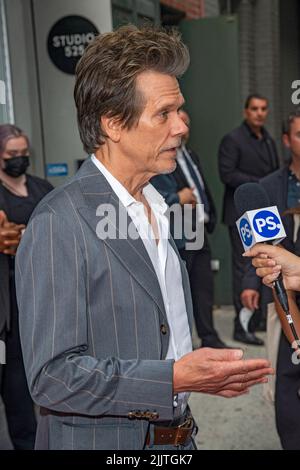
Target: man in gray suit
(104, 299)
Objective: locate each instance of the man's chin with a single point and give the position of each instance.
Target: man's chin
(170, 169)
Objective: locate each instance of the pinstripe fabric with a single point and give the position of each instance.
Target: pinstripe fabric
(90, 316)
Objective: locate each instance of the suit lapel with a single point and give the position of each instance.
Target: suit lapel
(278, 193)
(262, 155)
(132, 253)
(180, 178)
(272, 152)
(288, 220)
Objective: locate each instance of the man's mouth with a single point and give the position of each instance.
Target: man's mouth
(171, 149)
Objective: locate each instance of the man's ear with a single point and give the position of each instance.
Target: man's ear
(112, 127)
(286, 140)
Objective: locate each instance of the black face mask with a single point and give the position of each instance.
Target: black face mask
(16, 166)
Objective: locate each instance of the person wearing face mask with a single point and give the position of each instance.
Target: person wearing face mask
(19, 194)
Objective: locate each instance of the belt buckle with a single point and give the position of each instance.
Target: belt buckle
(187, 424)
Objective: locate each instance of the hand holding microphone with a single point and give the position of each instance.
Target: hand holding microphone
(259, 222)
(270, 261)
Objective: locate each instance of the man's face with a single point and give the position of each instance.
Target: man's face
(256, 113)
(292, 140)
(151, 145)
(15, 147)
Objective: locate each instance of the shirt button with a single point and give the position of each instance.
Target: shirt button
(163, 329)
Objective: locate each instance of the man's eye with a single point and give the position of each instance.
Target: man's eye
(164, 114)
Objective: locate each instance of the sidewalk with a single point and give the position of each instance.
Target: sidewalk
(246, 422)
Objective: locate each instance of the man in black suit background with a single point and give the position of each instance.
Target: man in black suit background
(186, 185)
(246, 154)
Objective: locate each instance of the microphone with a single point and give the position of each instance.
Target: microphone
(259, 222)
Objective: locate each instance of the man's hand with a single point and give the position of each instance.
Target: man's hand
(219, 372)
(250, 299)
(10, 235)
(187, 196)
(271, 260)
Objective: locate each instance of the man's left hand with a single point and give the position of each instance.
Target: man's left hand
(250, 299)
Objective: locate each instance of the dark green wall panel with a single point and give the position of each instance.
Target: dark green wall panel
(211, 89)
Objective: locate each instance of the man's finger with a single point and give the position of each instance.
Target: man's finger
(246, 366)
(242, 386)
(226, 354)
(231, 393)
(251, 383)
(249, 376)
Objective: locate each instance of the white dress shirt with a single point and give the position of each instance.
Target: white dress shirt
(165, 263)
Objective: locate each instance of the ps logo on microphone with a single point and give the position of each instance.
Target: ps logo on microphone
(260, 225)
(266, 224)
(245, 232)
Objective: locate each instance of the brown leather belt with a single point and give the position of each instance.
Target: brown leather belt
(176, 436)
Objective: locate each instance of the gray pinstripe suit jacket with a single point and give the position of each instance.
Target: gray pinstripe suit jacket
(91, 312)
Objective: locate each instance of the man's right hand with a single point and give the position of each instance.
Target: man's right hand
(220, 372)
(250, 299)
(187, 196)
(10, 235)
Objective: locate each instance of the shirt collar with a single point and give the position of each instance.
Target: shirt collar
(122, 193)
(181, 151)
(292, 176)
(263, 131)
(153, 197)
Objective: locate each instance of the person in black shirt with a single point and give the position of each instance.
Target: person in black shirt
(19, 194)
(246, 154)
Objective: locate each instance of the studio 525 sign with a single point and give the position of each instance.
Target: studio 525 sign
(67, 41)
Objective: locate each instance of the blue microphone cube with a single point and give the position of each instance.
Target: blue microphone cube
(260, 225)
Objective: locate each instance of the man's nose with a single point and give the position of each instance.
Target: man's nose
(180, 128)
